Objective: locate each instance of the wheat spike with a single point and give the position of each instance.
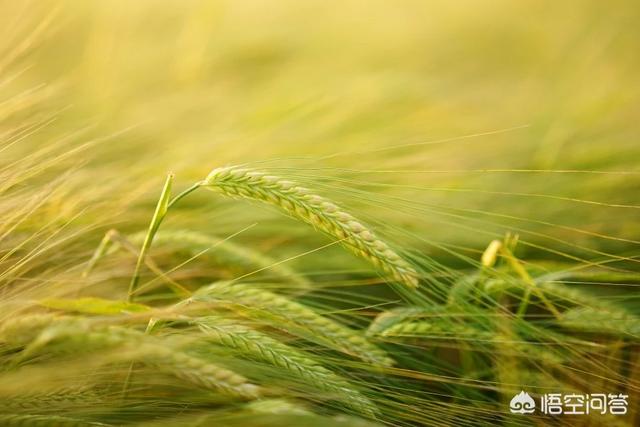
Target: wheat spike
(264, 348)
(559, 293)
(23, 420)
(387, 319)
(574, 295)
(67, 398)
(598, 320)
(202, 373)
(294, 313)
(320, 213)
(81, 336)
(20, 330)
(463, 291)
(437, 329)
(433, 329)
(276, 406)
(490, 255)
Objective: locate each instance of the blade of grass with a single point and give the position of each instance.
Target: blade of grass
(158, 216)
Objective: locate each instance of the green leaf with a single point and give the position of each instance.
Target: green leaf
(94, 305)
(158, 216)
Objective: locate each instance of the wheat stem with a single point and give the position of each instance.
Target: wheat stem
(158, 216)
(531, 285)
(227, 254)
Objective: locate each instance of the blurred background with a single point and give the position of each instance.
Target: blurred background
(445, 124)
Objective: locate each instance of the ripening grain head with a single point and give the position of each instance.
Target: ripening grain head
(322, 214)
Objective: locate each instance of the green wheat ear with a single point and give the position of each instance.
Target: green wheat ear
(301, 203)
(276, 406)
(435, 328)
(73, 335)
(598, 320)
(259, 346)
(285, 311)
(24, 420)
(389, 318)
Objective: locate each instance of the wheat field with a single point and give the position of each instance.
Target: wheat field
(218, 213)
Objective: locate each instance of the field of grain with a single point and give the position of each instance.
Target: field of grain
(253, 213)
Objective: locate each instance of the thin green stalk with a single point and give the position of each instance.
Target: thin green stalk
(531, 285)
(113, 237)
(127, 380)
(100, 251)
(176, 287)
(184, 193)
(158, 216)
(164, 203)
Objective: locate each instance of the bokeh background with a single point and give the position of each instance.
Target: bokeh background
(442, 124)
(443, 100)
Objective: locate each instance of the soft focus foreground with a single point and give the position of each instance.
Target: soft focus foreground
(486, 151)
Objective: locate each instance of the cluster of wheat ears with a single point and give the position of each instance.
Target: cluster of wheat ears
(234, 352)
